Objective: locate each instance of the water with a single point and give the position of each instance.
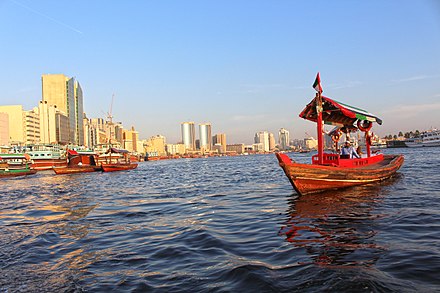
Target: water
(224, 224)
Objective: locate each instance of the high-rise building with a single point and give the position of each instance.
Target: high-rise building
(66, 94)
(188, 135)
(271, 142)
(262, 138)
(205, 137)
(283, 139)
(32, 126)
(221, 140)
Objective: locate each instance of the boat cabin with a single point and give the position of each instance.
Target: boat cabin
(346, 119)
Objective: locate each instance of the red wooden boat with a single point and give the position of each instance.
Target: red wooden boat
(79, 162)
(330, 170)
(117, 160)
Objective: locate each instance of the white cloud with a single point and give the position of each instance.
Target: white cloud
(408, 111)
(414, 78)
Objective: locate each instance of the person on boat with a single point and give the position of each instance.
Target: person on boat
(347, 151)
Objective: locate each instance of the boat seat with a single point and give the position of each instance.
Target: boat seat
(344, 156)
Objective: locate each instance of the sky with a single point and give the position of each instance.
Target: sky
(243, 66)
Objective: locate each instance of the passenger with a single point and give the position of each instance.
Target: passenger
(359, 151)
(348, 152)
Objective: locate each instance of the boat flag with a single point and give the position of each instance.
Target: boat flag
(317, 84)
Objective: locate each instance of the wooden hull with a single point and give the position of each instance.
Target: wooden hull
(48, 164)
(118, 167)
(16, 173)
(77, 169)
(313, 178)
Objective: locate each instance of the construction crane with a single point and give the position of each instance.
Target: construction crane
(109, 113)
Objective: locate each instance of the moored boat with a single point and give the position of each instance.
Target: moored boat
(429, 138)
(79, 162)
(331, 170)
(45, 157)
(12, 165)
(117, 160)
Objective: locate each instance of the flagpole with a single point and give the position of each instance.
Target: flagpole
(319, 128)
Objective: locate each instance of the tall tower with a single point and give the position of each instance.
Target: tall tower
(283, 139)
(205, 136)
(262, 137)
(66, 94)
(188, 135)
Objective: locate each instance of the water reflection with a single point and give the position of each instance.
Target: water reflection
(337, 228)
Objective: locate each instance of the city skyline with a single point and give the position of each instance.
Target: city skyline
(243, 66)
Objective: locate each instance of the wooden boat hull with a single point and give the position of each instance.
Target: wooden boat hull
(118, 167)
(313, 178)
(47, 164)
(76, 169)
(16, 173)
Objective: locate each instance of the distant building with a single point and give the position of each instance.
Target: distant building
(205, 137)
(283, 139)
(262, 138)
(236, 148)
(15, 123)
(175, 149)
(32, 126)
(311, 143)
(4, 129)
(66, 94)
(155, 146)
(271, 142)
(189, 135)
(220, 139)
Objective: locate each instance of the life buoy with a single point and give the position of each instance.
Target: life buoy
(364, 125)
(335, 137)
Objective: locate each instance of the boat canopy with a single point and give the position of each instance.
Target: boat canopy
(14, 157)
(337, 113)
(114, 150)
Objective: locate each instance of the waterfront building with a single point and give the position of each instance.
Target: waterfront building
(220, 139)
(258, 147)
(262, 138)
(271, 142)
(236, 148)
(155, 146)
(188, 135)
(15, 123)
(54, 124)
(4, 129)
(66, 94)
(311, 143)
(175, 149)
(283, 139)
(32, 126)
(205, 137)
(129, 139)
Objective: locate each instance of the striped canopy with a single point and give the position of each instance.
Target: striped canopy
(336, 113)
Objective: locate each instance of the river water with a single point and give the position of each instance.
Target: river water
(224, 224)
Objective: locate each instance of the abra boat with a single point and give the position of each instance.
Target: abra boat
(426, 139)
(79, 162)
(12, 165)
(116, 160)
(330, 170)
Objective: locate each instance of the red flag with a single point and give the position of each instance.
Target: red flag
(317, 84)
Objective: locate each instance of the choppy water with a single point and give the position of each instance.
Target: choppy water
(220, 225)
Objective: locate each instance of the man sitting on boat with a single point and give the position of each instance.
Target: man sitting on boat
(348, 152)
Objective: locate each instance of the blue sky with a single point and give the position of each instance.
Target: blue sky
(244, 66)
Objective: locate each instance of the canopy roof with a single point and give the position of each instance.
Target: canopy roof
(114, 150)
(14, 156)
(336, 113)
